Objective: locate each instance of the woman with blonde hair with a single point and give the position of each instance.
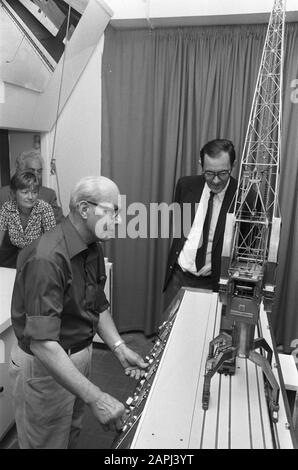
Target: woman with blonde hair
(24, 217)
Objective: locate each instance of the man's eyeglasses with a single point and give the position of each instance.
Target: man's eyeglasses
(36, 171)
(113, 212)
(222, 175)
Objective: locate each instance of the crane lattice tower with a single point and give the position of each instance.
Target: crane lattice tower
(259, 167)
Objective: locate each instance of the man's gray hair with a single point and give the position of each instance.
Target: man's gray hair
(91, 188)
(24, 156)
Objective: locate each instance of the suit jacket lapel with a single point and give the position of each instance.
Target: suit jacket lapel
(192, 196)
(225, 207)
(195, 197)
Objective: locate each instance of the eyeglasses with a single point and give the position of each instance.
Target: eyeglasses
(36, 171)
(222, 175)
(114, 212)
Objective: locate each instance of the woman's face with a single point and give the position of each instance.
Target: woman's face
(26, 198)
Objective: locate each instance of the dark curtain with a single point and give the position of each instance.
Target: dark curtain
(165, 93)
(285, 317)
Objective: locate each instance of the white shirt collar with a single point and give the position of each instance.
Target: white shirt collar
(222, 193)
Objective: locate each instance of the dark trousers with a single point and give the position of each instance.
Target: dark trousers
(8, 253)
(185, 279)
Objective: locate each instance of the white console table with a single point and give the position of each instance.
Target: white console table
(7, 339)
(237, 416)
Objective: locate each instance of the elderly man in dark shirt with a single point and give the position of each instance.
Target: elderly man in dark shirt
(58, 305)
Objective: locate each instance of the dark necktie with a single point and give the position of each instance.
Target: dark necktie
(201, 252)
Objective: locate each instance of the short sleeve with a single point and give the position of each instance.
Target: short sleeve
(102, 303)
(48, 218)
(41, 283)
(3, 218)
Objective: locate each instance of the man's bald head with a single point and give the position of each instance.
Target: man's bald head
(95, 189)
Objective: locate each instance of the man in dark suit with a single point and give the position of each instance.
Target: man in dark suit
(195, 257)
(29, 160)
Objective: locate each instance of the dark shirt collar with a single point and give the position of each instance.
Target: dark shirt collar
(75, 243)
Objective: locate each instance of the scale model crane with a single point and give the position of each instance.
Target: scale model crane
(252, 231)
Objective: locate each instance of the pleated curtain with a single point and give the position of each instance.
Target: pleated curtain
(165, 93)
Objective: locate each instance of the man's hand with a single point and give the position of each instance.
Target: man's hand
(132, 362)
(109, 411)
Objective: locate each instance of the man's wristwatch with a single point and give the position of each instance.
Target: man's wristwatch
(117, 344)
